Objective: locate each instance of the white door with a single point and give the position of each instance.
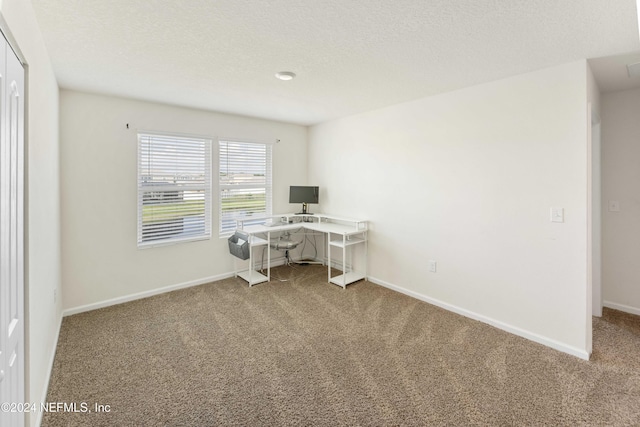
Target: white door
(11, 234)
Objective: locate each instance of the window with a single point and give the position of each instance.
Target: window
(174, 188)
(245, 182)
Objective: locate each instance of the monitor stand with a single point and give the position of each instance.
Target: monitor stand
(304, 210)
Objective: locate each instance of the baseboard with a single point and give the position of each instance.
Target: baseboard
(145, 294)
(43, 396)
(157, 291)
(621, 307)
(574, 351)
(337, 264)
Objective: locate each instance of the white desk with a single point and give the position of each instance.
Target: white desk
(343, 233)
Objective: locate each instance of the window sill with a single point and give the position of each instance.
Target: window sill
(149, 245)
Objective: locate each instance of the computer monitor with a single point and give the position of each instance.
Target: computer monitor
(304, 195)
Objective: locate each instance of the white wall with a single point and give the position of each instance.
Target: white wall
(101, 261)
(467, 179)
(621, 182)
(43, 206)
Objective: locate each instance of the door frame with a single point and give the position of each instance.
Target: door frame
(594, 224)
(12, 44)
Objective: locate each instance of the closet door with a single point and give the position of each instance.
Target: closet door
(11, 235)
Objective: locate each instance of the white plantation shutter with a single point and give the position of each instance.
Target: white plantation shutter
(245, 182)
(174, 188)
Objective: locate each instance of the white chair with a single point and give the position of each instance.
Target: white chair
(284, 243)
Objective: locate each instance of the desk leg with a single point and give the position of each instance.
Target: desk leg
(324, 249)
(328, 247)
(344, 261)
(268, 256)
(366, 256)
(250, 263)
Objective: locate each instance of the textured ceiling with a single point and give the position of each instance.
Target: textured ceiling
(350, 55)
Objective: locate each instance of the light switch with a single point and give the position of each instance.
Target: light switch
(432, 266)
(614, 206)
(557, 214)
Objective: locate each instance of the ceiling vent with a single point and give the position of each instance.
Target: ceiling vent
(634, 69)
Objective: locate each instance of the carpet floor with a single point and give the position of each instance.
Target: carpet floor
(304, 352)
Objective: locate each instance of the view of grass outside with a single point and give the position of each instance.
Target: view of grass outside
(161, 212)
(241, 202)
(169, 211)
(240, 205)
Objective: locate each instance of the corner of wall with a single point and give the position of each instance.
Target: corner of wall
(43, 310)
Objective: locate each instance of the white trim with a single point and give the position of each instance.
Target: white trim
(145, 294)
(158, 243)
(13, 44)
(140, 295)
(275, 262)
(622, 307)
(249, 141)
(574, 351)
(337, 264)
(209, 138)
(43, 396)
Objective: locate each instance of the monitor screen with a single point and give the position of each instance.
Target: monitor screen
(300, 194)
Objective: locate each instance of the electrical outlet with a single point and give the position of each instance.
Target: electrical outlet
(614, 206)
(432, 266)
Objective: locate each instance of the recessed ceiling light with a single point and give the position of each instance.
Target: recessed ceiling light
(285, 75)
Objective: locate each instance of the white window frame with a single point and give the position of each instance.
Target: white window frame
(171, 184)
(226, 222)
